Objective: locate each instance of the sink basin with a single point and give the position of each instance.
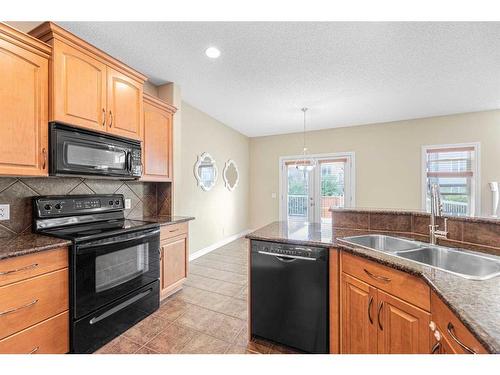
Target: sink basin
(468, 265)
(383, 243)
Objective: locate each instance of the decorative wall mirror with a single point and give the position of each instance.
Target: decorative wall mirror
(205, 171)
(231, 175)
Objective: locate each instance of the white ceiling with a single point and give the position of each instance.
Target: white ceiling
(347, 73)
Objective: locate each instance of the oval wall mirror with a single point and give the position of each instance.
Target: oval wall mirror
(205, 171)
(231, 175)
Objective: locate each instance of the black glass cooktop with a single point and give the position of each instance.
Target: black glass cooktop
(99, 229)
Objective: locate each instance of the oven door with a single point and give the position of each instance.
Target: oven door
(80, 152)
(108, 269)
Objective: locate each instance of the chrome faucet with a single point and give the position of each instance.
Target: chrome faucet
(436, 211)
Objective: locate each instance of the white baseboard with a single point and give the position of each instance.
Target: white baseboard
(218, 244)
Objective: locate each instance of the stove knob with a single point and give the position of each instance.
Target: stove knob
(110, 203)
(48, 207)
(58, 206)
(117, 202)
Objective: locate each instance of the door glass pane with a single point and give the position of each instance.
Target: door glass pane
(298, 193)
(95, 157)
(332, 188)
(118, 267)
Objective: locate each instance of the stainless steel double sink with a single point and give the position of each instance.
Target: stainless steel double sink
(464, 263)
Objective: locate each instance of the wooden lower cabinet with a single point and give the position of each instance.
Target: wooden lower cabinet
(48, 337)
(358, 327)
(174, 259)
(34, 303)
(403, 327)
(375, 321)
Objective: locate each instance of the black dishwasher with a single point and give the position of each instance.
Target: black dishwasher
(289, 295)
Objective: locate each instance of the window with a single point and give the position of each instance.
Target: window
(455, 169)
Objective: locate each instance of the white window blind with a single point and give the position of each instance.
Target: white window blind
(454, 170)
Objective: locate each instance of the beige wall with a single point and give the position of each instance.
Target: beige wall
(219, 213)
(388, 159)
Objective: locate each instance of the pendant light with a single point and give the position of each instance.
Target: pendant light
(306, 163)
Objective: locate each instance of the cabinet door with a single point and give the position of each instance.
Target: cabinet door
(157, 144)
(23, 111)
(403, 328)
(124, 105)
(79, 88)
(174, 263)
(358, 323)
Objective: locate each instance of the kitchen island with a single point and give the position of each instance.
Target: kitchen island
(475, 304)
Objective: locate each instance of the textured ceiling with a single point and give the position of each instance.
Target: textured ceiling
(346, 73)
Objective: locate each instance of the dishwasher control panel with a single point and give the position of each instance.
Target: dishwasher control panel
(287, 250)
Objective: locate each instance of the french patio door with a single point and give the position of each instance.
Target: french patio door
(308, 195)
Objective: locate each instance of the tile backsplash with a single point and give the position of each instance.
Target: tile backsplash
(148, 198)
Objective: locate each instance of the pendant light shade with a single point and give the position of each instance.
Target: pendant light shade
(306, 163)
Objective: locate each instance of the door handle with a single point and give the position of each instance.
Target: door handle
(30, 267)
(451, 331)
(44, 154)
(370, 302)
(377, 277)
(103, 117)
(436, 347)
(381, 304)
(18, 308)
(110, 118)
(285, 256)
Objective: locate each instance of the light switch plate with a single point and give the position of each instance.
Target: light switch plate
(273, 195)
(4, 211)
(128, 203)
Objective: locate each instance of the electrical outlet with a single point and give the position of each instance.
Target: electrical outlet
(128, 203)
(4, 211)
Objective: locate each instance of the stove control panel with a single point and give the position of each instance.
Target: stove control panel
(68, 205)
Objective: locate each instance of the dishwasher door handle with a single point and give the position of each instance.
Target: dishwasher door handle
(292, 257)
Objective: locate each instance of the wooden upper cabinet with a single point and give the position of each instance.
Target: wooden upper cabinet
(157, 140)
(403, 328)
(124, 105)
(79, 91)
(23, 104)
(358, 320)
(91, 89)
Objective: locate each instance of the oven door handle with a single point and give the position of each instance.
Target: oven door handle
(119, 307)
(100, 244)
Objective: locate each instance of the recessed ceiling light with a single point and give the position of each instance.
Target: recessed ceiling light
(212, 52)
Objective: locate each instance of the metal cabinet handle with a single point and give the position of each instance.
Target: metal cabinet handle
(44, 153)
(451, 331)
(381, 304)
(370, 302)
(103, 117)
(436, 347)
(110, 118)
(31, 266)
(18, 308)
(173, 230)
(377, 277)
(35, 349)
(162, 249)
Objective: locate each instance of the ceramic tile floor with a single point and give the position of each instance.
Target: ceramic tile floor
(208, 316)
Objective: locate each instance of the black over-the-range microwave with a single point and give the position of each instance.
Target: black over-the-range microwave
(80, 152)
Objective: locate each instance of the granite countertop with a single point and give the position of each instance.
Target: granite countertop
(476, 303)
(29, 243)
(168, 220)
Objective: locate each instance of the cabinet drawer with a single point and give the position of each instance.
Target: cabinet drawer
(48, 337)
(174, 230)
(397, 283)
(456, 334)
(28, 302)
(26, 266)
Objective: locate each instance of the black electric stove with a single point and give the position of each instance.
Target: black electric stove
(114, 264)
